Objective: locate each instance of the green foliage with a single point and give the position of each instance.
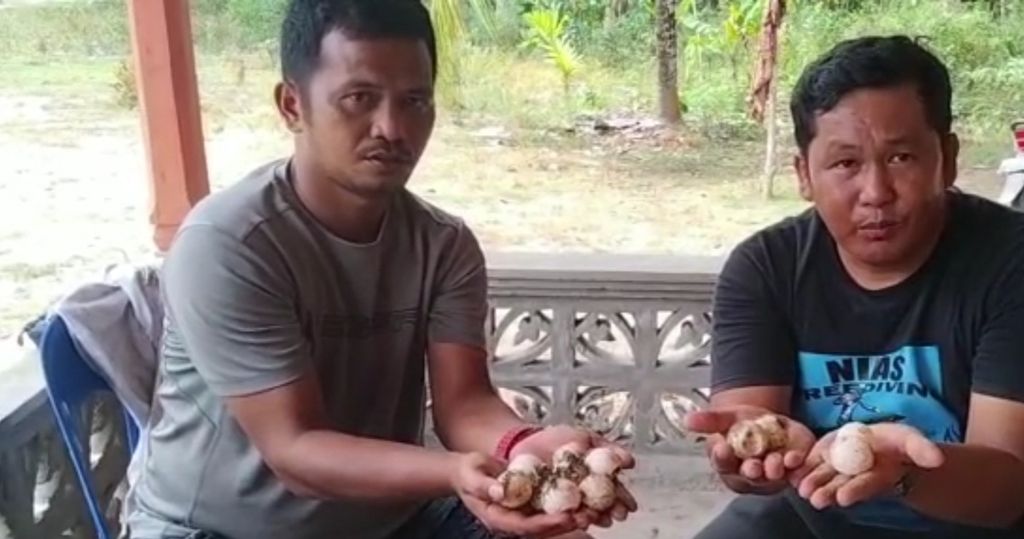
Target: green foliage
(984, 52)
(257, 20)
(486, 70)
(450, 30)
(546, 31)
(742, 23)
(496, 23)
(125, 92)
(236, 25)
(95, 28)
(524, 92)
(627, 43)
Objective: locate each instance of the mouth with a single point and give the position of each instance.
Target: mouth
(878, 230)
(388, 160)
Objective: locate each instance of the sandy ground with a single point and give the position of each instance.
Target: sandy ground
(74, 196)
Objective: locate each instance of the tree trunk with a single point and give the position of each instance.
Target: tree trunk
(668, 63)
(764, 94)
(771, 165)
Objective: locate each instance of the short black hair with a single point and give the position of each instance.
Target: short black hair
(871, 62)
(306, 22)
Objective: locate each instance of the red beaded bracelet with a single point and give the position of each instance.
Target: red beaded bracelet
(513, 437)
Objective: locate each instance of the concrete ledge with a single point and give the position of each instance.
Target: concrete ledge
(667, 280)
(23, 400)
(603, 266)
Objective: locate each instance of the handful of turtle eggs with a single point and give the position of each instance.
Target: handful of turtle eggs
(754, 438)
(574, 478)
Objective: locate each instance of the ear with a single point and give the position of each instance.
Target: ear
(950, 154)
(803, 176)
(288, 99)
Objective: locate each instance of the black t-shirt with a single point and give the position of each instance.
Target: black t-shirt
(786, 312)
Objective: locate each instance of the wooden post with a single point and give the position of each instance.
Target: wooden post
(165, 78)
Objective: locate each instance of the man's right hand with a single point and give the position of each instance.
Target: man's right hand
(474, 479)
(765, 475)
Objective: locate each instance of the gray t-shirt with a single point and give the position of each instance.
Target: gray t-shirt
(256, 293)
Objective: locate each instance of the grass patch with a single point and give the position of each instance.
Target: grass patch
(78, 74)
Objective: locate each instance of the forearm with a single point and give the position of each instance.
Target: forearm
(475, 422)
(976, 485)
(326, 464)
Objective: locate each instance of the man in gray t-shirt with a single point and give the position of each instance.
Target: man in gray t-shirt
(304, 306)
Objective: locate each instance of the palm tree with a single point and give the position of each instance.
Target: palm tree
(448, 17)
(668, 65)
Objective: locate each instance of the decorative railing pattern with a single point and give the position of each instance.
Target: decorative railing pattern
(619, 344)
(39, 496)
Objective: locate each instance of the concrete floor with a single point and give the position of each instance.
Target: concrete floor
(677, 496)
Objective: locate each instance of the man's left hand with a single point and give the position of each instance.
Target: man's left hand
(543, 445)
(898, 449)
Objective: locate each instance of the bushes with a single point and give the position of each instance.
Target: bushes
(93, 28)
(985, 53)
(100, 27)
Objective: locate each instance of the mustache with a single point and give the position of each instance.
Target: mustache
(395, 154)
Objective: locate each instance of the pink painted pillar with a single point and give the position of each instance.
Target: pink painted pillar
(171, 122)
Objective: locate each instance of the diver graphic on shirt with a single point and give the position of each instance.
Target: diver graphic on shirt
(853, 399)
(849, 402)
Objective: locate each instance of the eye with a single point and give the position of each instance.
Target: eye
(843, 164)
(359, 101)
(901, 158)
(421, 101)
(357, 98)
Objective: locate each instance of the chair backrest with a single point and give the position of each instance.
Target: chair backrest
(70, 381)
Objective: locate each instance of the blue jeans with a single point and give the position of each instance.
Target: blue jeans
(444, 518)
(786, 516)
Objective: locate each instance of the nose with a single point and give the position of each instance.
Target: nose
(877, 188)
(388, 123)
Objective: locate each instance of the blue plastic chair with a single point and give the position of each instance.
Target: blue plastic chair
(70, 380)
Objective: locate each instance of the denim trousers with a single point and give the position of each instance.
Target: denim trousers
(443, 518)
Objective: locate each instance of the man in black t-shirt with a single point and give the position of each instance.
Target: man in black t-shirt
(896, 301)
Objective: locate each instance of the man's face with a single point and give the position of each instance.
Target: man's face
(877, 173)
(367, 112)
